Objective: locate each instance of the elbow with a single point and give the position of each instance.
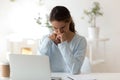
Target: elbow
(75, 69)
(75, 72)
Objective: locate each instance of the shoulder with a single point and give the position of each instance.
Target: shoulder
(78, 37)
(80, 41)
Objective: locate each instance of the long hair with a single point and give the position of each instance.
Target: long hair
(61, 13)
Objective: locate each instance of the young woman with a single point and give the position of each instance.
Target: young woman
(65, 48)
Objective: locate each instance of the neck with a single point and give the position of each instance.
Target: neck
(70, 36)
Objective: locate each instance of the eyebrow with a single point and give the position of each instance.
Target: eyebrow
(61, 27)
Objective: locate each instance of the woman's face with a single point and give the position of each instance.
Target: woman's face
(60, 26)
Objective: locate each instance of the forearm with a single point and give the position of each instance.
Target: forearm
(73, 61)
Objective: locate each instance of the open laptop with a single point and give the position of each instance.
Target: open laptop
(29, 67)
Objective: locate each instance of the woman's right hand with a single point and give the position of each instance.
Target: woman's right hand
(54, 38)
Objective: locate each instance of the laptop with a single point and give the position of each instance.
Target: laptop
(29, 67)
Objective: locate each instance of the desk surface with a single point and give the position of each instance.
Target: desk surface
(91, 76)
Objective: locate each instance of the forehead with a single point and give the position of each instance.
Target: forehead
(58, 23)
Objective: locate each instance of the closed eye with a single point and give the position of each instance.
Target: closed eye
(63, 27)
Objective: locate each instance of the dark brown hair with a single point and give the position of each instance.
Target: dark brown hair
(61, 13)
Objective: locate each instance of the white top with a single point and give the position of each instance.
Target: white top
(66, 56)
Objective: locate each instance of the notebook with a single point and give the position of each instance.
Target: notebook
(29, 67)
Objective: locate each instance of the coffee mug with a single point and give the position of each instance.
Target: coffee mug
(4, 70)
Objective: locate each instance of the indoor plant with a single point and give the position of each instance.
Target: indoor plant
(44, 23)
(92, 14)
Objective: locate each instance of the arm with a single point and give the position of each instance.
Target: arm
(73, 59)
(44, 45)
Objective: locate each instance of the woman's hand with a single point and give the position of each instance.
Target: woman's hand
(58, 38)
(54, 38)
(62, 37)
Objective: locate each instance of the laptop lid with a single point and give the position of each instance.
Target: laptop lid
(29, 67)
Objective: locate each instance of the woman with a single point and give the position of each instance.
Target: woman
(65, 48)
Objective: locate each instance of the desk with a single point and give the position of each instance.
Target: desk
(91, 76)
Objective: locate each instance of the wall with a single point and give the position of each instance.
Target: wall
(17, 22)
(109, 23)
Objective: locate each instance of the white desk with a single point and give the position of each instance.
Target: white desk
(92, 76)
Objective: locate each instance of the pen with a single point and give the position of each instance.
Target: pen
(70, 78)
